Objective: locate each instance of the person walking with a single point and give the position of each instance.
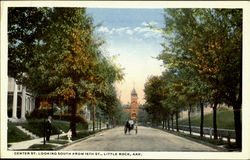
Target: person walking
(48, 128)
(127, 127)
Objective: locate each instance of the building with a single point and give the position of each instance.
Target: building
(83, 110)
(133, 108)
(20, 101)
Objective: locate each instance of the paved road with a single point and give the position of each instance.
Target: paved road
(147, 139)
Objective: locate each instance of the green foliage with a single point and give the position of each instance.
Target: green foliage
(205, 46)
(67, 117)
(110, 104)
(38, 113)
(24, 32)
(81, 126)
(143, 117)
(154, 95)
(209, 41)
(62, 59)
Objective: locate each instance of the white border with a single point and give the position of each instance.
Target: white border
(245, 5)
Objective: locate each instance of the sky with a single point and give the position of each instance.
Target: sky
(134, 44)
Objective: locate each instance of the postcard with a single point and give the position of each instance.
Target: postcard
(125, 79)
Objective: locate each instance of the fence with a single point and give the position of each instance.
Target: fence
(222, 133)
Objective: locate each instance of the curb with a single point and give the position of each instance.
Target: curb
(76, 141)
(198, 141)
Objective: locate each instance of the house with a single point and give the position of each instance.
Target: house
(20, 101)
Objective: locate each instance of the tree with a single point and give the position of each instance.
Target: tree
(175, 98)
(143, 117)
(153, 96)
(67, 64)
(209, 41)
(24, 31)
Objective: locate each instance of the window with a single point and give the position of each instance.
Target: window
(18, 87)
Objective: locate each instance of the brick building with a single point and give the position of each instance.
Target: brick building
(133, 108)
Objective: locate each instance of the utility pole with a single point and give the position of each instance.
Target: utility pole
(93, 117)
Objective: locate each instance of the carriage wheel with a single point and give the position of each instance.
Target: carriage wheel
(136, 130)
(125, 130)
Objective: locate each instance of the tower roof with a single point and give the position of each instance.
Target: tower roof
(133, 92)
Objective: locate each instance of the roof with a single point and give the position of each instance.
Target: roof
(133, 92)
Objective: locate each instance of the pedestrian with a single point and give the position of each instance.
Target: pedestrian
(127, 127)
(48, 128)
(127, 124)
(69, 135)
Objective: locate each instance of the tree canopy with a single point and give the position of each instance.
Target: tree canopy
(203, 47)
(66, 64)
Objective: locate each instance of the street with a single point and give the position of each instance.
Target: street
(147, 139)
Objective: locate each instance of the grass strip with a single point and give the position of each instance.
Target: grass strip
(230, 147)
(58, 142)
(225, 120)
(42, 147)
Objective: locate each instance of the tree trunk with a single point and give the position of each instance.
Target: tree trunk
(163, 124)
(113, 118)
(202, 118)
(93, 117)
(177, 126)
(97, 124)
(237, 115)
(168, 124)
(73, 117)
(237, 126)
(189, 120)
(152, 122)
(214, 120)
(172, 119)
(100, 123)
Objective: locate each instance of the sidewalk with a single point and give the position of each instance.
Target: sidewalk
(26, 144)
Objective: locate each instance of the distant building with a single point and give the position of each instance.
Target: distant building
(133, 108)
(20, 101)
(85, 112)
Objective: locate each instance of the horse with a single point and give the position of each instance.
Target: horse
(129, 126)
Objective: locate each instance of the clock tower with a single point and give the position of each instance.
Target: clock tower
(134, 105)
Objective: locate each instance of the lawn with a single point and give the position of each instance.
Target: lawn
(15, 135)
(36, 126)
(225, 119)
(59, 141)
(42, 147)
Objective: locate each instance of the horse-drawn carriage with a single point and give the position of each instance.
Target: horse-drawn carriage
(130, 125)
